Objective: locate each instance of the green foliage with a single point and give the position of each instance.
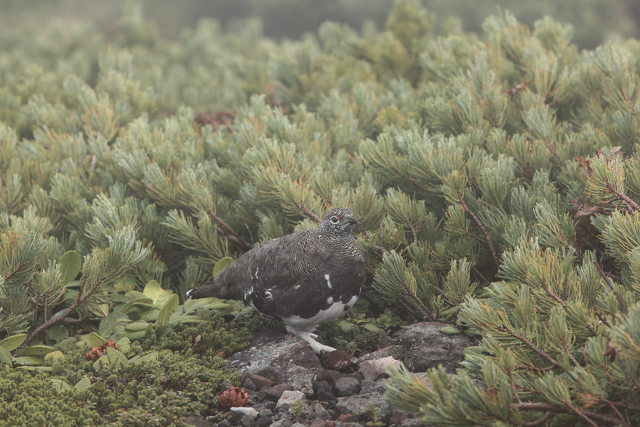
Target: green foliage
(495, 175)
(162, 389)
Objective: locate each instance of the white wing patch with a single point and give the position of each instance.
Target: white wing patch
(330, 300)
(328, 279)
(296, 323)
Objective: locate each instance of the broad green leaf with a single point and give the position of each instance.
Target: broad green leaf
(167, 310)
(154, 291)
(143, 304)
(35, 350)
(60, 385)
(135, 295)
(13, 342)
(125, 285)
(93, 339)
(54, 356)
(450, 330)
(28, 360)
(36, 368)
(108, 323)
(221, 264)
(83, 384)
(5, 356)
(116, 358)
(184, 318)
(139, 325)
(100, 310)
(150, 315)
(70, 264)
(134, 335)
(72, 284)
(124, 344)
(151, 357)
(57, 333)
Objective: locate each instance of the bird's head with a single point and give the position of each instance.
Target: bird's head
(338, 222)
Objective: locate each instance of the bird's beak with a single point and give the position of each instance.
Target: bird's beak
(353, 220)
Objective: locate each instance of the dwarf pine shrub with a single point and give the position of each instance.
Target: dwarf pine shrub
(496, 177)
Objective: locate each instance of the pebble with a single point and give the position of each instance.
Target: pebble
(289, 397)
(346, 386)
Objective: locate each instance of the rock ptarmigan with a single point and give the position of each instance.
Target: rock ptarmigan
(304, 278)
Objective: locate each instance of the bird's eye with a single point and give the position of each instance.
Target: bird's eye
(334, 219)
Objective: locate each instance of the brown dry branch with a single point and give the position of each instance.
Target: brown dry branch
(485, 232)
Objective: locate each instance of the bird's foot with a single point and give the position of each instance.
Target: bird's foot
(317, 347)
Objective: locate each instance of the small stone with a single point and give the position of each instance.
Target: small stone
(347, 418)
(376, 368)
(347, 386)
(256, 382)
(425, 346)
(198, 422)
(362, 405)
(247, 412)
(274, 392)
(321, 423)
(224, 423)
(412, 422)
(390, 350)
(316, 410)
(298, 425)
(397, 417)
(289, 397)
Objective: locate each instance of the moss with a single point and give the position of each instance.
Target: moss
(216, 336)
(157, 392)
(28, 399)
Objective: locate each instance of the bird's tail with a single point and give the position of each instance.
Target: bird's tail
(209, 289)
(218, 289)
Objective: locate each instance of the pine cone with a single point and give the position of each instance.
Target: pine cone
(233, 397)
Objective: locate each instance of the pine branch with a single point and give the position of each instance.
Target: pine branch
(484, 230)
(60, 316)
(542, 420)
(229, 233)
(633, 205)
(423, 309)
(531, 345)
(607, 280)
(541, 406)
(551, 294)
(308, 212)
(15, 271)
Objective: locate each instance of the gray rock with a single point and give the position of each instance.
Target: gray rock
(390, 350)
(374, 369)
(361, 405)
(425, 347)
(198, 422)
(256, 382)
(289, 397)
(288, 360)
(317, 411)
(346, 386)
(370, 386)
(247, 412)
(224, 423)
(274, 392)
(298, 425)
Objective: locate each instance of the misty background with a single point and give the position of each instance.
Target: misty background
(594, 21)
